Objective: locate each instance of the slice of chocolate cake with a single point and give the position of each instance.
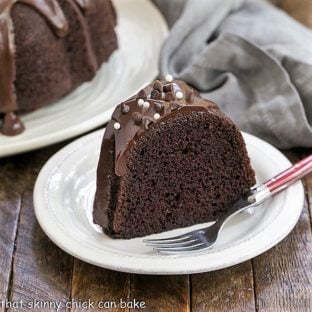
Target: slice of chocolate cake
(169, 159)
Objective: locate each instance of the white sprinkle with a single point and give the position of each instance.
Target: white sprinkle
(179, 95)
(117, 125)
(156, 116)
(16, 126)
(140, 102)
(146, 105)
(169, 78)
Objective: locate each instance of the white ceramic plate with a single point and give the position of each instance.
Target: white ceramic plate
(141, 30)
(63, 199)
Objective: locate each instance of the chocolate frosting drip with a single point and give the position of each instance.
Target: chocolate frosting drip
(84, 4)
(12, 124)
(156, 103)
(54, 15)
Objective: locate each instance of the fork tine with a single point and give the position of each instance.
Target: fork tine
(176, 250)
(179, 243)
(169, 239)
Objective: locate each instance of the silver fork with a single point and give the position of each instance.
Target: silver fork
(204, 238)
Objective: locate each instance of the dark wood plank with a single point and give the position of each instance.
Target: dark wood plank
(10, 200)
(9, 211)
(41, 271)
(283, 275)
(161, 293)
(224, 290)
(98, 289)
(155, 293)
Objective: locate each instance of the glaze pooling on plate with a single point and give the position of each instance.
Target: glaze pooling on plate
(64, 194)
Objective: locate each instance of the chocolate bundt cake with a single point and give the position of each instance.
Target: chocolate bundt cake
(48, 48)
(169, 159)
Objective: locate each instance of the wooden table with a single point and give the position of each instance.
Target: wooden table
(34, 270)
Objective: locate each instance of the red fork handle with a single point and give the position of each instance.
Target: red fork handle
(290, 175)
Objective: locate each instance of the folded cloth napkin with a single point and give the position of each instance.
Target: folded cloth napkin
(251, 58)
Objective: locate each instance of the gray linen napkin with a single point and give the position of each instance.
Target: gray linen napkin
(249, 57)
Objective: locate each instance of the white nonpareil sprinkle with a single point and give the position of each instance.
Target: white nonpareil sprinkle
(179, 95)
(169, 78)
(117, 125)
(16, 126)
(156, 116)
(140, 102)
(146, 105)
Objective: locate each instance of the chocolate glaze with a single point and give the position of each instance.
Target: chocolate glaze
(12, 124)
(134, 120)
